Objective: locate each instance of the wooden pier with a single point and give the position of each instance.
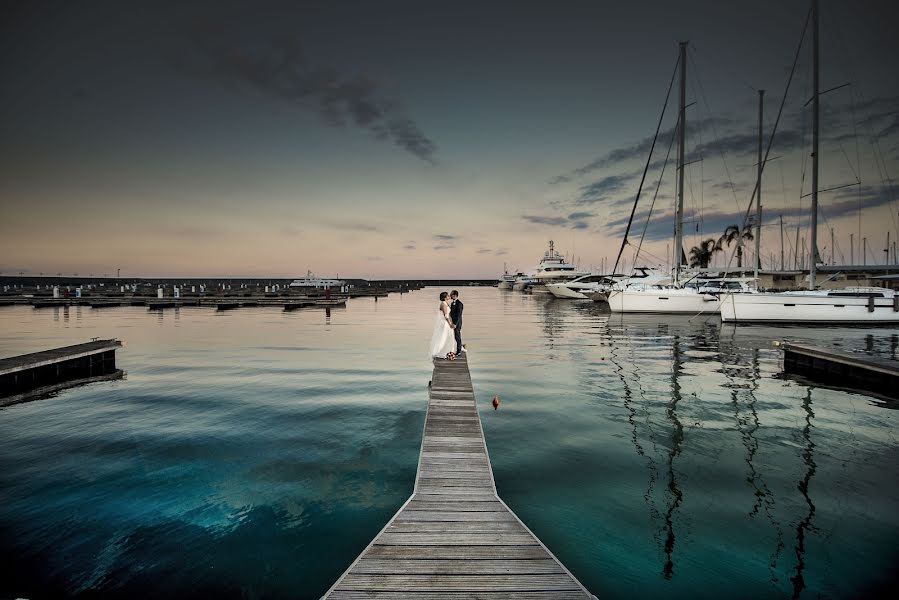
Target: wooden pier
(843, 369)
(454, 538)
(29, 375)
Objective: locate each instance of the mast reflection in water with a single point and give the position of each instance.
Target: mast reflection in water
(631, 401)
(655, 456)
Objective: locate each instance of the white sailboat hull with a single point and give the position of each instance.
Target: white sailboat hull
(673, 301)
(504, 285)
(798, 308)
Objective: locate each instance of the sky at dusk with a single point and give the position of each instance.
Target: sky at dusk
(423, 139)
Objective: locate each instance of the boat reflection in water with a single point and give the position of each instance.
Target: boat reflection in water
(724, 483)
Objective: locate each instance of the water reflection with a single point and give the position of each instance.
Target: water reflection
(744, 377)
(805, 525)
(651, 453)
(687, 388)
(677, 440)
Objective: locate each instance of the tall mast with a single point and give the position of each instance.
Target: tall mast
(758, 194)
(682, 130)
(783, 267)
(815, 117)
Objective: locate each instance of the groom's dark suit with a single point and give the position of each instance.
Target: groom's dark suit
(456, 317)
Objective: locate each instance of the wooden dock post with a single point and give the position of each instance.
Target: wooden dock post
(454, 537)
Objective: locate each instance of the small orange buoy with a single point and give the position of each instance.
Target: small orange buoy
(495, 401)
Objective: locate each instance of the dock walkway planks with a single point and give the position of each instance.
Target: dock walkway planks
(454, 537)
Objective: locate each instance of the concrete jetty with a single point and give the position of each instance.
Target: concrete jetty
(454, 537)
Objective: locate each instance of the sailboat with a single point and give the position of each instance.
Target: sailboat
(684, 297)
(848, 305)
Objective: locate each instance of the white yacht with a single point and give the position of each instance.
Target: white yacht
(508, 279)
(522, 283)
(684, 293)
(697, 296)
(849, 305)
(582, 288)
(553, 268)
(311, 281)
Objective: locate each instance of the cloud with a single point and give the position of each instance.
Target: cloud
(631, 151)
(842, 203)
(574, 220)
(602, 189)
(746, 143)
(279, 69)
(345, 226)
(539, 220)
(444, 247)
(410, 246)
(445, 238)
(500, 252)
(484, 251)
(290, 231)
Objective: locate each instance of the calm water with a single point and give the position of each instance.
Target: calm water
(254, 453)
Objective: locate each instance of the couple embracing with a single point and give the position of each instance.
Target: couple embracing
(447, 339)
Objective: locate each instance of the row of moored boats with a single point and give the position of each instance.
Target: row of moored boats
(736, 299)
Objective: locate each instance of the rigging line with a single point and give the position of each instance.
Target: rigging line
(858, 159)
(731, 72)
(776, 123)
(884, 174)
(848, 162)
(653, 256)
(656, 195)
(875, 145)
(646, 168)
(693, 77)
(705, 101)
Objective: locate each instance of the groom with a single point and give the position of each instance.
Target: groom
(456, 308)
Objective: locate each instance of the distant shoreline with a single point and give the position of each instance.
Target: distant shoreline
(32, 280)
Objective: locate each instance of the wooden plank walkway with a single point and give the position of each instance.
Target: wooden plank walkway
(454, 538)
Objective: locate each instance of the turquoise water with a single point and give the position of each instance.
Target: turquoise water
(254, 453)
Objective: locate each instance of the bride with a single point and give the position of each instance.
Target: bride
(443, 342)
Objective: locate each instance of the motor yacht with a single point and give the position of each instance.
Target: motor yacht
(507, 280)
(311, 281)
(553, 268)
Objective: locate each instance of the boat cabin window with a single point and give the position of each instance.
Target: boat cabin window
(857, 294)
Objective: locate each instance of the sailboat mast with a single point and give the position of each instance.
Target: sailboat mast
(815, 118)
(758, 193)
(682, 129)
(783, 266)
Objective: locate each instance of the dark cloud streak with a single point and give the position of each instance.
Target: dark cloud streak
(280, 70)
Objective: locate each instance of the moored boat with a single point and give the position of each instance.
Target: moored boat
(553, 268)
(849, 305)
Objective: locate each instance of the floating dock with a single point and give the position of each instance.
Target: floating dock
(454, 537)
(29, 375)
(843, 369)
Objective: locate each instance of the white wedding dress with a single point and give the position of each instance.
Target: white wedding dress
(443, 341)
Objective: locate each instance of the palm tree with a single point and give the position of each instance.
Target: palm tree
(701, 255)
(732, 234)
